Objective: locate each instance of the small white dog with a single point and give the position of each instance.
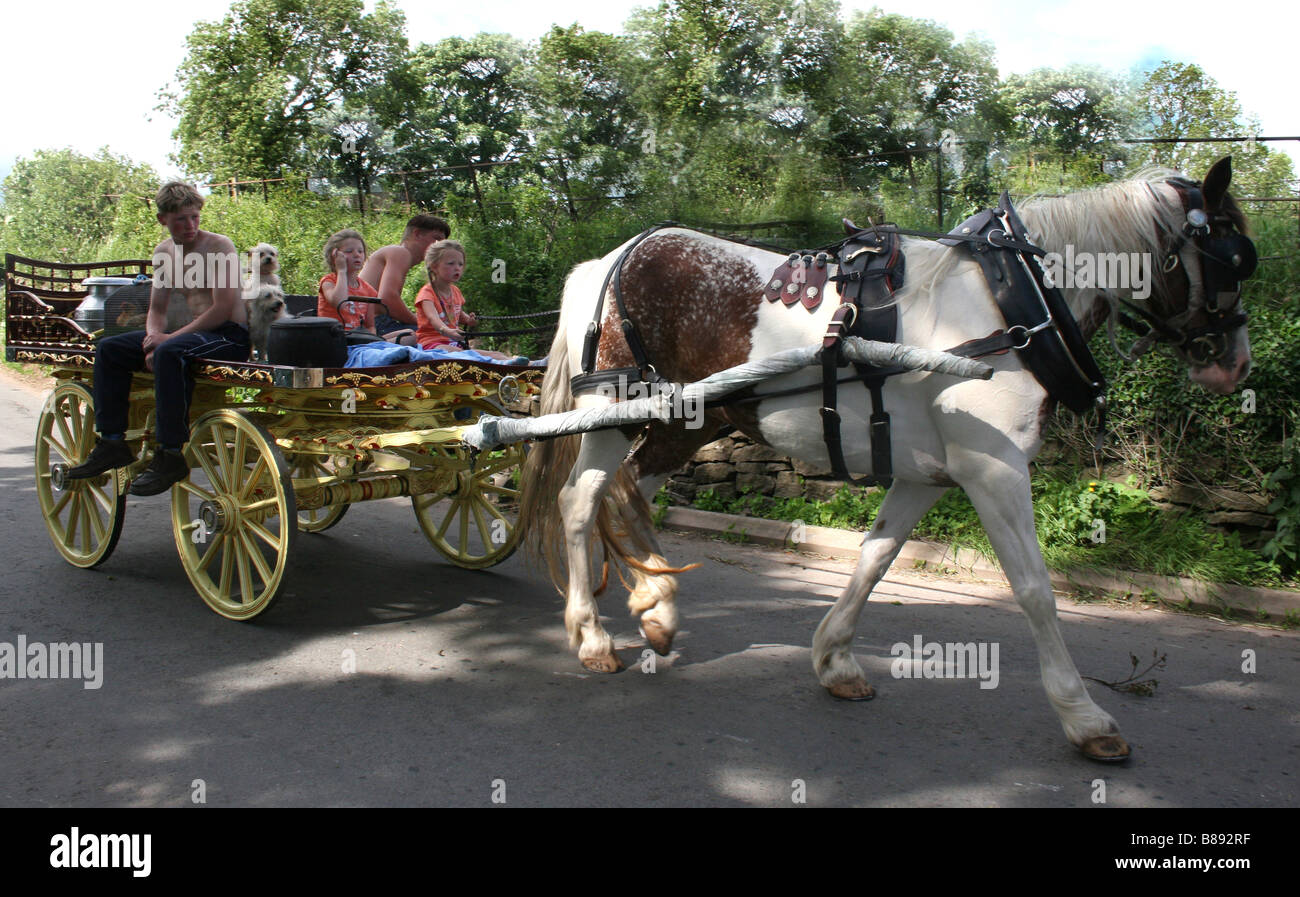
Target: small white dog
(265, 306)
(260, 268)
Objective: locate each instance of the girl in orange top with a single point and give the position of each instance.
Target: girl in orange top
(440, 307)
(345, 254)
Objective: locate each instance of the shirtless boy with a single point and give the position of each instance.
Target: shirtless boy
(386, 271)
(195, 270)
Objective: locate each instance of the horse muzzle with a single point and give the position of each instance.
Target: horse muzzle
(1222, 377)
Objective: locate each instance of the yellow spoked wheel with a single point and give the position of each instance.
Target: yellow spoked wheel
(234, 518)
(473, 525)
(315, 520)
(84, 517)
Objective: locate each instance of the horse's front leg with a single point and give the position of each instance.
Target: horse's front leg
(902, 509)
(598, 459)
(999, 490)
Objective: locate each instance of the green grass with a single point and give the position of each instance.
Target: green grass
(1135, 534)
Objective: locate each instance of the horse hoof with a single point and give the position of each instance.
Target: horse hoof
(657, 637)
(606, 664)
(1105, 748)
(855, 690)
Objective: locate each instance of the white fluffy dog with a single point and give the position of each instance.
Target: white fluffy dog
(260, 268)
(265, 306)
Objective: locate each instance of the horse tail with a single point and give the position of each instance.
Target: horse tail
(549, 461)
(624, 514)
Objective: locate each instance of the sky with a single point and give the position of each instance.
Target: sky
(131, 51)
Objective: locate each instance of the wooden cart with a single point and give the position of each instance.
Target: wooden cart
(274, 451)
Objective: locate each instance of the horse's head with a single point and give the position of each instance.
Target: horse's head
(1205, 256)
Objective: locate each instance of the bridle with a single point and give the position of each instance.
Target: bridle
(1226, 256)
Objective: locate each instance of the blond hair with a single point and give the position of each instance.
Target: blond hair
(176, 195)
(437, 251)
(336, 240)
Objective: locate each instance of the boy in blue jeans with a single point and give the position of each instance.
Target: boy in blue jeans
(200, 271)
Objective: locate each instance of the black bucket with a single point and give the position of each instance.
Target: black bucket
(307, 343)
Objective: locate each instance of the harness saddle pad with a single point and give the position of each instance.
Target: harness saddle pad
(872, 266)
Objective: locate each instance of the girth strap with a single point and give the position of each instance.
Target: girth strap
(871, 271)
(881, 464)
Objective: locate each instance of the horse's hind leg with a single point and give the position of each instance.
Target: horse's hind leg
(599, 458)
(653, 595)
(838, 671)
(1000, 492)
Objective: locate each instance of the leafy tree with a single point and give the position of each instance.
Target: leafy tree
(469, 111)
(352, 150)
(586, 131)
(59, 205)
(703, 58)
(1076, 110)
(899, 84)
(725, 89)
(1180, 101)
(250, 84)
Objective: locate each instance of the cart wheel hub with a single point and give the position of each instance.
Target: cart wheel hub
(508, 389)
(215, 515)
(59, 476)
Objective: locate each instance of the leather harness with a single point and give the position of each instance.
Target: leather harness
(1225, 263)
(1040, 327)
(871, 272)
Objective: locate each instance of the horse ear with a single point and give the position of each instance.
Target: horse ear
(1215, 185)
(849, 227)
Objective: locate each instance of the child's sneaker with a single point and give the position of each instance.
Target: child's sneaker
(105, 456)
(167, 468)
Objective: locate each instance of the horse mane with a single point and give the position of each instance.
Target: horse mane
(1133, 215)
(1108, 218)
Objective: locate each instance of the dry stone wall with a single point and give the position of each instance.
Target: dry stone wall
(735, 464)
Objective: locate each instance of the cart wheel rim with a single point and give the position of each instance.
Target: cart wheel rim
(240, 484)
(315, 520)
(83, 517)
(474, 525)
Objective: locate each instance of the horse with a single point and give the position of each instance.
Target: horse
(697, 302)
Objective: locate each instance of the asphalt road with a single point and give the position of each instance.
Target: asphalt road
(464, 690)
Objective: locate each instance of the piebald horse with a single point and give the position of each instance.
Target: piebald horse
(698, 303)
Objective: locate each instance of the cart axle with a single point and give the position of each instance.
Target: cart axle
(397, 485)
